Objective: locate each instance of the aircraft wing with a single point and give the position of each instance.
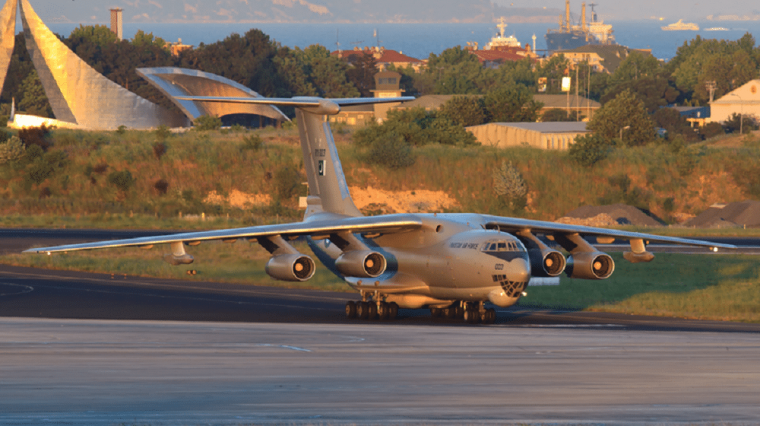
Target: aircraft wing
(319, 228)
(509, 224)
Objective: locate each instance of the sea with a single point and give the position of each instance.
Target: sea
(420, 40)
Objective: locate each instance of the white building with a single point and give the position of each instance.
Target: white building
(743, 101)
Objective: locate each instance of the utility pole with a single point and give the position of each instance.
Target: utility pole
(577, 101)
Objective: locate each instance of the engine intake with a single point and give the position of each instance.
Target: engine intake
(291, 267)
(590, 265)
(546, 263)
(361, 264)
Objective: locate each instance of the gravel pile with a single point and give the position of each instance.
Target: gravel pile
(739, 214)
(615, 214)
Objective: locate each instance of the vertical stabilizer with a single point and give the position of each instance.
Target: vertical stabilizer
(328, 189)
(327, 183)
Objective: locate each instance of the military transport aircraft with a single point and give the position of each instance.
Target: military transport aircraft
(453, 264)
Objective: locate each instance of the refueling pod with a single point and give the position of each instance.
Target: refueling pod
(291, 267)
(361, 264)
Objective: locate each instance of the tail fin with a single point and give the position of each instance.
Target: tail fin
(328, 190)
(327, 183)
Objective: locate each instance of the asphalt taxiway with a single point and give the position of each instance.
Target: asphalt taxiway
(78, 348)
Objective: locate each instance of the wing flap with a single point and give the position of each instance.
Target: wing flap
(551, 228)
(321, 228)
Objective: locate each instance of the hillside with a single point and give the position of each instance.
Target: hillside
(255, 177)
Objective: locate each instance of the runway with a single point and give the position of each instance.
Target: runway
(188, 373)
(79, 348)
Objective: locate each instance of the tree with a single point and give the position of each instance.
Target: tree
(362, 73)
(512, 104)
(509, 184)
(589, 149)
(736, 122)
(464, 110)
(675, 124)
(625, 113)
(655, 91)
(99, 35)
(34, 101)
(556, 114)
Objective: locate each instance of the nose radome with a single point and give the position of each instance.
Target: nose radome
(519, 270)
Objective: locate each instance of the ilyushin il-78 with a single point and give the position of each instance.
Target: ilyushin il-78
(455, 264)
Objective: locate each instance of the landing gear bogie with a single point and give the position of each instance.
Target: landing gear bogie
(369, 309)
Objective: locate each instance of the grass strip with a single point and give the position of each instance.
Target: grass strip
(711, 286)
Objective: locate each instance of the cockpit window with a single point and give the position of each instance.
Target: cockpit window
(502, 246)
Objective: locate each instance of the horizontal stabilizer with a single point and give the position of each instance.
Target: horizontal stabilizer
(327, 106)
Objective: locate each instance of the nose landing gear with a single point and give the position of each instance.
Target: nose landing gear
(470, 312)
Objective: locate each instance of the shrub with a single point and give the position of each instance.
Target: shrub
(287, 181)
(11, 150)
(122, 180)
(589, 150)
(35, 136)
(121, 130)
(163, 132)
(738, 122)
(207, 122)
(39, 171)
(392, 152)
(509, 184)
(159, 149)
(252, 142)
(161, 186)
(710, 130)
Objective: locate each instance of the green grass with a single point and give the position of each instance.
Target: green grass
(241, 262)
(709, 286)
(717, 287)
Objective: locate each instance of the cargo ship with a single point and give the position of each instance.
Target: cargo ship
(570, 36)
(681, 26)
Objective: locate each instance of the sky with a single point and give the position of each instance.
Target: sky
(670, 10)
(610, 10)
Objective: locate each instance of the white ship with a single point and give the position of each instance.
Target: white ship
(716, 29)
(681, 26)
(500, 41)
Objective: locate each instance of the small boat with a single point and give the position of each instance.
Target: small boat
(716, 29)
(681, 26)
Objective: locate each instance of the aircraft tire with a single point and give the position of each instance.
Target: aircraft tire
(350, 310)
(450, 312)
(435, 312)
(382, 311)
(490, 316)
(372, 311)
(392, 310)
(361, 310)
(459, 312)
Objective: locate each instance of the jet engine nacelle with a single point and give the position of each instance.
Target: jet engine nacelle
(546, 263)
(291, 267)
(361, 264)
(593, 265)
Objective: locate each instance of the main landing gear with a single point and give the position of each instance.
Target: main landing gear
(371, 308)
(470, 312)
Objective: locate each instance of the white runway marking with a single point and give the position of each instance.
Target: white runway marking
(24, 289)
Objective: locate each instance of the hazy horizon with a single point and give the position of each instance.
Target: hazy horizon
(381, 11)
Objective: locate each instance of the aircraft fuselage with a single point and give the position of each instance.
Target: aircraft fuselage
(451, 257)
